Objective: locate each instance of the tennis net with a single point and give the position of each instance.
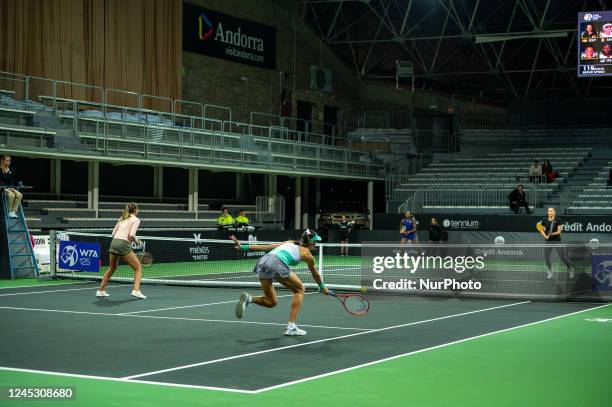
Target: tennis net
(581, 272)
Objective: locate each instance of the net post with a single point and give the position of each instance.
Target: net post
(52, 254)
(321, 259)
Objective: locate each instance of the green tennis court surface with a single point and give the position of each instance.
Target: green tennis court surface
(455, 351)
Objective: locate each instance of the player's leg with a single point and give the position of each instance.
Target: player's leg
(132, 260)
(269, 299)
(293, 282)
(547, 254)
(112, 266)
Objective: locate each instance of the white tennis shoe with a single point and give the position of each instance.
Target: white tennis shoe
(138, 294)
(101, 294)
(294, 331)
(549, 274)
(243, 302)
(13, 214)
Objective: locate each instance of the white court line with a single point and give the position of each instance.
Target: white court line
(335, 372)
(244, 355)
(288, 383)
(196, 305)
(180, 318)
(55, 291)
(116, 379)
(45, 285)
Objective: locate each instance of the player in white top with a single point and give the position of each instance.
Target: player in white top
(275, 265)
(121, 248)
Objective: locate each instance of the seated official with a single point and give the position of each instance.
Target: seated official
(241, 220)
(7, 180)
(517, 199)
(225, 220)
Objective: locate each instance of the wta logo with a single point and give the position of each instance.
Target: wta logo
(205, 27)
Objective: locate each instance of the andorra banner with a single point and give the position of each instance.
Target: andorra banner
(227, 37)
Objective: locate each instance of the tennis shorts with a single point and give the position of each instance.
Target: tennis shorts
(270, 266)
(120, 247)
(409, 236)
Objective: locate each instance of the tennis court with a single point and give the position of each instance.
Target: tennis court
(185, 338)
(188, 336)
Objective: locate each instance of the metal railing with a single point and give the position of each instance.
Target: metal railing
(132, 130)
(270, 210)
(378, 120)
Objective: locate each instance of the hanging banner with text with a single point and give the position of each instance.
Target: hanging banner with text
(223, 36)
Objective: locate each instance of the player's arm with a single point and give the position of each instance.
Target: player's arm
(310, 261)
(414, 226)
(402, 228)
(558, 231)
(133, 229)
(540, 229)
(253, 247)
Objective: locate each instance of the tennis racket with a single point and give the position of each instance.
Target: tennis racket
(403, 230)
(145, 259)
(356, 304)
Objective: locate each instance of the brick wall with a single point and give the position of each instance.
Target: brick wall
(245, 88)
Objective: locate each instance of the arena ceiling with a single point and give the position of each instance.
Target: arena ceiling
(491, 50)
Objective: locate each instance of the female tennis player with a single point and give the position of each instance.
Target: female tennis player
(275, 266)
(408, 227)
(121, 248)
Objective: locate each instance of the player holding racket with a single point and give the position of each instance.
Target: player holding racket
(550, 228)
(275, 265)
(408, 227)
(121, 248)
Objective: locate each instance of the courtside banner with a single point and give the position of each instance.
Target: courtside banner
(223, 36)
(498, 222)
(79, 256)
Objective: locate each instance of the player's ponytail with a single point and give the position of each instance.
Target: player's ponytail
(128, 210)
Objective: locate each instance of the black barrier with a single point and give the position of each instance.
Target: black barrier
(498, 222)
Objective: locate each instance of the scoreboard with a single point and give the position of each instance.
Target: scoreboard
(594, 43)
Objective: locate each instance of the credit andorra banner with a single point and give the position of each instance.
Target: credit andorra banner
(79, 256)
(223, 36)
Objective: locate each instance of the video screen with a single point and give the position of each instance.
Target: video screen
(594, 43)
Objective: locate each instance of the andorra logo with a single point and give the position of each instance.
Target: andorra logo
(204, 24)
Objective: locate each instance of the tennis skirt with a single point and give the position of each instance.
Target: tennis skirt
(270, 266)
(120, 247)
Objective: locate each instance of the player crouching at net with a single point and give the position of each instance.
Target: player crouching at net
(275, 266)
(121, 248)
